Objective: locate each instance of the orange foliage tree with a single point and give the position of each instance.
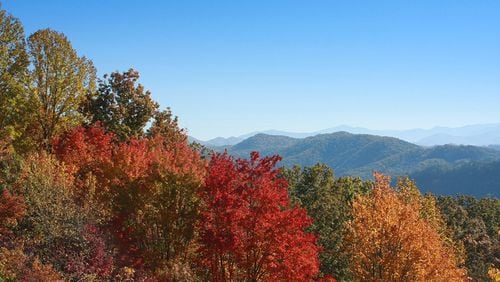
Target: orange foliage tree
(390, 241)
(248, 229)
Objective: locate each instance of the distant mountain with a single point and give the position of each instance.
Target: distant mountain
(229, 141)
(494, 147)
(191, 139)
(481, 139)
(473, 178)
(361, 154)
(478, 135)
(263, 143)
(221, 141)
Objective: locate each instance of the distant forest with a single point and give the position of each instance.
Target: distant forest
(442, 170)
(98, 184)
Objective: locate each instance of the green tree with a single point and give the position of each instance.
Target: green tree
(13, 76)
(60, 80)
(474, 223)
(329, 202)
(121, 105)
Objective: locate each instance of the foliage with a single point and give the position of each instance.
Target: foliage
(155, 202)
(494, 274)
(328, 200)
(13, 76)
(59, 81)
(474, 223)
(389, 240)
(147, 188)
(122, 106)
(360, 155)
(248, 229)
(12, 209)
(16, 266)
(166, 125)
(10, 165)
(87, 153)
(99, 185)
(56, 229)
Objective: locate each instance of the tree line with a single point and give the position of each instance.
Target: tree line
(98, 184)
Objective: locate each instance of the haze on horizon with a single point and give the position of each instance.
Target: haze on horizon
(228, 68)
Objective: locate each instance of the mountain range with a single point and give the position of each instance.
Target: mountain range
(437, 169)
(478, 135)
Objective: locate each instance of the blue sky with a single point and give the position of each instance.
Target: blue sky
(231, 67)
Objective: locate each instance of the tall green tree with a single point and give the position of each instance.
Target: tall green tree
(60, 80)
(13, 75)
(328, 200)
(121, 104)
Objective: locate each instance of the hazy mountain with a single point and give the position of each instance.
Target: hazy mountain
(473, 178)
(358, 154)
(221, 141)
(191, 139)
(479, 135)
(478, 140)
(361, 154)
(494, 147)
(229, 141)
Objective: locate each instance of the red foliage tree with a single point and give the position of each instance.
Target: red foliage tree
(85, 150)
(155, 207)
(94, 260)
(148, 188)
(248, 229)
(12, 208)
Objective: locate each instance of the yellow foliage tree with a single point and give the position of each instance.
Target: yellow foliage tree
(409, 193)
(494, 274)
(389, 240)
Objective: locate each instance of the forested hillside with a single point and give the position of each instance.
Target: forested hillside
(495, 147)
(361, 155)
(97, 183)
(471, 178)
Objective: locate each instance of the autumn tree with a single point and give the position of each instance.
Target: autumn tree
(56, 229)
(248, 229)
(390, 241)
(155, 205)
(167, 125)
(328, 200)
(15, 265)
(121, 104)
(59, 82)
(87, 153)
(10, 165)
(12, 206)
(13, 77)
(409, 193)
(149, 188)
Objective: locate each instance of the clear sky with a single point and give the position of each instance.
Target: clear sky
(231, 67)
